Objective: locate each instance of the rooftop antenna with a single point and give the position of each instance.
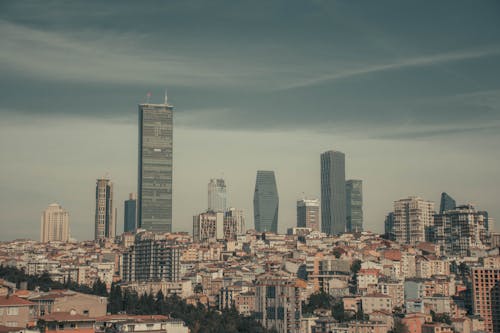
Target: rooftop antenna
(166, 97)
(148, 96)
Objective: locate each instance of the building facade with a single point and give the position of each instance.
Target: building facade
(308, 214)
(130, 214)
(486, 296)
(333, 194)
(105, 221)
(266, 202)
(154, 189)
(354, 208)
(447, 203)
(413, 220)
(217, 195)
(54, 224)
(234, 223)
(208, 226)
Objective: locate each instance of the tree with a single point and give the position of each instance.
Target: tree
(400, 327)
(115, 301)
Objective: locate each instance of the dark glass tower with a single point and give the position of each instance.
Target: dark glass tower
(333, 198)
(354, 209)
(130, 214)
(154, 190)
(447, 203)
(265, 202)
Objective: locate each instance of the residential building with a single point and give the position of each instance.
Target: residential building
(217, 196)
(333, 193)
(413, 220)
(154, 190)
(266, 202)
(130, 214)
(376, 302)
(67, 322)
(308, 214)
(234, 223)
(68, 300)
(354, 208)
(16, 311)
(486, 297)
(105, 218)
(54, 224)
(208, 226)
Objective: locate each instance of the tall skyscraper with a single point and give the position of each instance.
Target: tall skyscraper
(413, 220)
(308, 214)
(217, 196)
(154, 190)
(354, 208)
(130, 214)
(333, 199)
(265, 202)
(105, 220)
(54, 224)
(447, 203)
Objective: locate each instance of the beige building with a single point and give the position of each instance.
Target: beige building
(308, 214)
(54, 224)
(69, 301)
(376, 302)
(15, 311)
(105, 216)
(413, 216)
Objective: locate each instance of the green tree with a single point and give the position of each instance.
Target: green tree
(400, 327)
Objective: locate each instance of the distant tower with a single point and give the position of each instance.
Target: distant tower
(308, 214)
(154, 189)
(105, 221)
(54, 224)
(217, 196)
(130, 214)
(413, 220)
(447, 203)
(354, 208)
(333, 199)
(266, 202)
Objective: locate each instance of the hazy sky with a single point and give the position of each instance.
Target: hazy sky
(410, 91)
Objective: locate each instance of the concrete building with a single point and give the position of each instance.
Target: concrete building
(266, 202)
(234, 223)
(208, 226)
(54, 224)
(486, 296)
(333, 193)
(354, 208)
(413, 220)
(67, 322)
(105, 217)
(308, 214)
(154, 189)
(68, 300)
(130, 214)
(16, 311)
(376, 302)
(217, 195)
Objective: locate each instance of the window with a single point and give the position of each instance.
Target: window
(60, 327)
(12, 311)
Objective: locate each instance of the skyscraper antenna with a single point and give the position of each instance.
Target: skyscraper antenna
(166, 97)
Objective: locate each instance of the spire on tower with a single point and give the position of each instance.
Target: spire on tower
(166, 97)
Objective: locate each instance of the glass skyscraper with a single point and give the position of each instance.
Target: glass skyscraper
(447, 203)
(154, 190)
(217, 196)
(354, 208)
(265, 202)
(333, 196)
(130, 214)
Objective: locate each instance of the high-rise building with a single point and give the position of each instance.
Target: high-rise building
(154, 190)
(308, 214)
(208, 226)
(130, 214)
(217, 197)
(153, 257)
(460, 230)
(54, 224)
(105, 221)
(234, 223)
(354, 208)
(266, 202)
(389, 226)
(333, 195)
(486, 296)
(447, 203)
(278, 303)
(413, 220)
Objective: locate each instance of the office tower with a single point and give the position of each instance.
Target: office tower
(217, 196)
(265, 202)
(154, 190)
(447, 203)
(130, 214)
(105, 221)
(333, 200)
(278, 303)
(486, 296)
(413, 220)
(460, 230)
(208, 226)
(234, 223)
(354, 207)
(389, 226)
(308, 214)
(153, 257)
(54, 224)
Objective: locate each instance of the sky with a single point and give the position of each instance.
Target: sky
(408, 90)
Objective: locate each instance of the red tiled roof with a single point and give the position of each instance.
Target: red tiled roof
(66, 316)
(13, 300)
(8, 329)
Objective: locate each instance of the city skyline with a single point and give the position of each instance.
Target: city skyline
(334, 81)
